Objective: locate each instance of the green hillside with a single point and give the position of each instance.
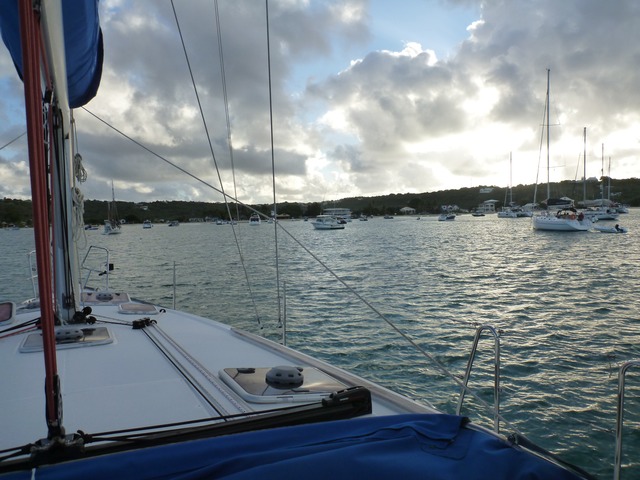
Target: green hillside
(624, 191)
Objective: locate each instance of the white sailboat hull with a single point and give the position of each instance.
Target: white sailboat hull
(555, 224)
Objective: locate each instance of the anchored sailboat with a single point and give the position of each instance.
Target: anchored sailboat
(560, 214)
(112, 223)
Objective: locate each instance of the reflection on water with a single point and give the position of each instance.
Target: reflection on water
(565, 304)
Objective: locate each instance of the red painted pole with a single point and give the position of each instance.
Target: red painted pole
(30, 38)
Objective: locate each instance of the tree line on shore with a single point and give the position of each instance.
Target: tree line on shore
(18, 212)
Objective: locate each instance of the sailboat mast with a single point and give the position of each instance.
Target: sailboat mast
(510, 180)
(609, 182)
(548, 123)
(602, 178)
(30, 38)
(584, 165)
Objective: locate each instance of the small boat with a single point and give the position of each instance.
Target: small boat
(254, 219)
(147, 224)
(615, 229)
(443, 217)
(388, 217)
(506, 212)
(173, 223)
(327, 222)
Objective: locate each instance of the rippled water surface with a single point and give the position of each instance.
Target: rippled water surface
(565, 304)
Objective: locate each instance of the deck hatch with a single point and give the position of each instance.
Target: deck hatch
(69, 337)
(253, 386)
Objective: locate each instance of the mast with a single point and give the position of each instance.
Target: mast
(548, 123)
(602, 179)
(30, 39)
(584, 165)
(609, 182)
(510, 181)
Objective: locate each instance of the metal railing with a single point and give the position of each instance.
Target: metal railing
(620, 415)
(496, 374)
(101, 268)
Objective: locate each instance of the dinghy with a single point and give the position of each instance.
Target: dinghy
(614, 229)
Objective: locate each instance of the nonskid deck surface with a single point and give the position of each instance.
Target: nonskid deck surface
(176, 367)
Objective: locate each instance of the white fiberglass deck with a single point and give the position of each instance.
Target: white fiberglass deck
(166, 372)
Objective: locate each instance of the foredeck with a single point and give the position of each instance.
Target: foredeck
(168, 371)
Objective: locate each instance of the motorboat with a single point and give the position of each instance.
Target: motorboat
(254, 219)
(327, 222)
(601, 213)
(444, 217)
(507, 212)
(147, 224)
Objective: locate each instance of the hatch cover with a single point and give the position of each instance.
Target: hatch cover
(69, 337)
(257, 385)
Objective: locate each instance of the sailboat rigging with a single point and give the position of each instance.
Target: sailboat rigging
(151, 392)
(112, 223)
(560, 214)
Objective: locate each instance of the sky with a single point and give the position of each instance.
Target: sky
(368, 97)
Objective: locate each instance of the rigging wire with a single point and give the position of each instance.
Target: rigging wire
(13, 140)
(406, 337)
(231, 157)
(206, 128)
(223, 79)
(273, 169)
(228, 197)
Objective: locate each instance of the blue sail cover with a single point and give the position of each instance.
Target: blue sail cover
(82, 40)
(400, 447)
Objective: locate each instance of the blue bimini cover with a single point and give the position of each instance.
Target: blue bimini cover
(403, 447)
(82, 42)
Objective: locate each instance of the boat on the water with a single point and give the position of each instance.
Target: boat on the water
(327, 222)
(338, 212)
(446, 217)
(560, 214)
(135, 390)
(254, 219)
(606, 229)
(112, 224)
(147, 224)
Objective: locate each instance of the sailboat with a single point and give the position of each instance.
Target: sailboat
(112, 223)
(132, 390)
(601, 209)
(560, 214)
(511, 210)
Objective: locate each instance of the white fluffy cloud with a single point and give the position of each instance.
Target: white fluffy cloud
(348, 119)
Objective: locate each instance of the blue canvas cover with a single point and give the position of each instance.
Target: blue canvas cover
(83, 45)
(401, 447)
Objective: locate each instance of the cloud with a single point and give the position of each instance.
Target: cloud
(348, 119)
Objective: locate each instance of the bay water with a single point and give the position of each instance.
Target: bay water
(566, 306)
